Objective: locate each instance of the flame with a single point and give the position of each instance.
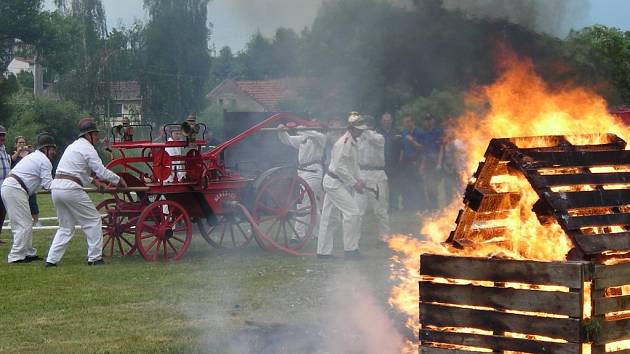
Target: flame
(519, 104)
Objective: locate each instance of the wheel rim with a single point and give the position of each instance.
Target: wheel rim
(285, 210)
(118, 230)
(164, 231)
(231, 230)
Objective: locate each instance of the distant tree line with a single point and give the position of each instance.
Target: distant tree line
(365, 55)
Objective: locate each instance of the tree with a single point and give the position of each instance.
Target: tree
(176, 59)
(82, 84)
(19, 19)
(600, 55)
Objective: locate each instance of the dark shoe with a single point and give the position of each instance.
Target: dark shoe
(352, 254)
(33, 258)
(48, 264)
(325, 256)
(97, 262)
(19, 261)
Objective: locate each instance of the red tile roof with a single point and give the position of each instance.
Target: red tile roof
(270, 92)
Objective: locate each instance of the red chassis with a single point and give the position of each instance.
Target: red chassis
(277, 208)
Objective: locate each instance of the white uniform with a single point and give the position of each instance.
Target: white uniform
(310, 145)
(372, 165)
(344, 165)
(176, 166)
(73, 204)
(34, 171)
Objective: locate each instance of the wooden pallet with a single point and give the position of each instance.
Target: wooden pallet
(488, 302)
(588, 216)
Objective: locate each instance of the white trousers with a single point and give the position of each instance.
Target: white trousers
(314, 180)
(367, 200)
(339, 203)
(74, 206)
(15, 201)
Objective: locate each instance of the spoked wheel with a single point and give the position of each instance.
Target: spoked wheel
(285, 210)
(118, 230)
(164, 230)
(231, 230)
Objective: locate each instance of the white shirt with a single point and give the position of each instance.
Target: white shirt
(79, 160)
(371, 147)
(310, 145)
(344, 162)
(178, 165)
(34, 170)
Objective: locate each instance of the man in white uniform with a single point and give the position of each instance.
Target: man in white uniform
(372, 166)
(341, 180)
(310, 145)
(33, 171)
(78, 163)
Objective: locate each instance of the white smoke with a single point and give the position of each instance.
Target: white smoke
(548, 16)
(342, 317)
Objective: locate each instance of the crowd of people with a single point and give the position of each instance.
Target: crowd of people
(370, 166)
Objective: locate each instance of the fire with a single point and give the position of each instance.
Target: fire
(520, 103)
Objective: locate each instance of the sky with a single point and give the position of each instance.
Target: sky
(234, 21)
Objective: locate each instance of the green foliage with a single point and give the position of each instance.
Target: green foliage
(19, 19)
(601, 54)
(177, 62)
(31, 116)
(440, 104)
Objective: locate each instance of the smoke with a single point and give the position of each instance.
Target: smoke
(342, 317)
(553, 17)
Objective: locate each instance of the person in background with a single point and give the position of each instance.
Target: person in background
(310, 145)
(432, 140)
(73, 205)
(21, 150)
(173, 151)
(392, 157)
(371, 147)
(341, 180)
(31, 172)
(410, 164)
(211, 139)
(5, 169)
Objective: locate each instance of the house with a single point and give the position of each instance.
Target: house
(125, 100)
(20, 64)
(254, 96)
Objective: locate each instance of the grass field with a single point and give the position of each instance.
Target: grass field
(211, 301)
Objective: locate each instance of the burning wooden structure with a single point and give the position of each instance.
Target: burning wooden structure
(503, 305)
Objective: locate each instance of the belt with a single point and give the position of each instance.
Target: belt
(372, 168)
(70, 178)
(333, 175)
(304, 165)
(19, 181)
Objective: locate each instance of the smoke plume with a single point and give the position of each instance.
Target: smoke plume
(553, 17)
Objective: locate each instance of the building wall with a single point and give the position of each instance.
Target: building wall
(17, 66)
(231, 98)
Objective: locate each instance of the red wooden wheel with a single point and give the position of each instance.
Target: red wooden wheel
(118, 230)
(285, 210)
(163, 230)
(231, 230)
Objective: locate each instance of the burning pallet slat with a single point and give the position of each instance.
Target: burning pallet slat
(491, 296)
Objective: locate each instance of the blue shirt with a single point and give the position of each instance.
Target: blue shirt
(409, 151)
(431, 141)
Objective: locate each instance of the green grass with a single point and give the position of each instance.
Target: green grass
(197, 304)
